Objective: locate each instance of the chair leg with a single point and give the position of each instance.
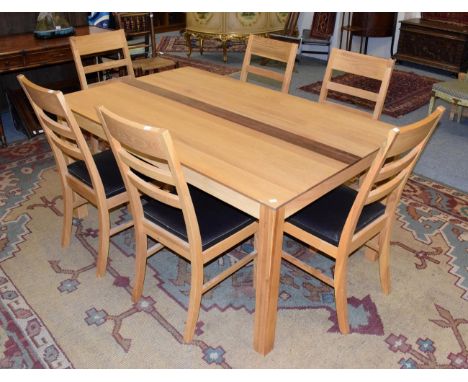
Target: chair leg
(384, 261)
(459, 113)
(104, 235)
(341, 301)
(371, 249)
(431, 103)
(254, 268)
(453, 109)
(140, 265)
(194, 302)
(67, 216)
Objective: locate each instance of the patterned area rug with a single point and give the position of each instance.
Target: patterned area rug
(55, 313)
(177, 44)
(407, 91)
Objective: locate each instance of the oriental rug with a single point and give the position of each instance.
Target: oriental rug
(407, 91)
(55, 313)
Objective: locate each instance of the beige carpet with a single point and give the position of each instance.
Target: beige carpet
(55, 313)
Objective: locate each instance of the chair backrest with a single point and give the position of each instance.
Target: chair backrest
(149, 151)
(391, 169)
(290, 26)
(61, 129)
(362, 65)
(139, 31)
(273, 50)
(94, 47)
(323, 25)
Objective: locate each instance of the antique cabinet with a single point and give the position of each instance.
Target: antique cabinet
(228, 26)
(435, 43)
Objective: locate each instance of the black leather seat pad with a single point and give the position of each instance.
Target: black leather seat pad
(216, 219)
(108, 171)
(326, 217)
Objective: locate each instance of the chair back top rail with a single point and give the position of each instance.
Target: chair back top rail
(360, 64)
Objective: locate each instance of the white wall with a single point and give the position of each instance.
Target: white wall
(378, 46)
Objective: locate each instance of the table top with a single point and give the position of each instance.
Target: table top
(266, 145)
(26, 42)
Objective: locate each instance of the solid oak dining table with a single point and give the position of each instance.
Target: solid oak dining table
(265, 152)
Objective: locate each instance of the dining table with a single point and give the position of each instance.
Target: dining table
(264, 152)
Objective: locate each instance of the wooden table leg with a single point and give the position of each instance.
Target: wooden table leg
(270, 239)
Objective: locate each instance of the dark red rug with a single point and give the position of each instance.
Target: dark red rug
(407, 91)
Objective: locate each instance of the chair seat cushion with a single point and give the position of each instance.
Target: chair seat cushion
(108, 171)
(454, 88)
(216, 219)
(326, 217)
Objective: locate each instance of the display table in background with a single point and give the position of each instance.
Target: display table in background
(230, 26)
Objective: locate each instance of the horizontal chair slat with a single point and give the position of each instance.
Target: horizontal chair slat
(112, 64)
(353, 91)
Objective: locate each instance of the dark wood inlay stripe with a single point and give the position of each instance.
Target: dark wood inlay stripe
(253, 124)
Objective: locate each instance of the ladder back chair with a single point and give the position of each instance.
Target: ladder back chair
(100, 49)
(190, 222)
(270, 49)
(140, 34)
(84, 177)
(344, 220)
(362, 65)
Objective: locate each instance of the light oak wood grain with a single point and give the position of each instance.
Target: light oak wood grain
(255, 171)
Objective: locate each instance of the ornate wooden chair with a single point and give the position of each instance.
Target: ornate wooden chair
(362, 65)
(84, 177)
(139, 30)
(192, 223)
(290, 32)
(319, 34)
(343, 220)
(99, 53)
(272, 50)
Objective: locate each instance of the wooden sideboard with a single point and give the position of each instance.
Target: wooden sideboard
(437, 44)
(23, 51)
